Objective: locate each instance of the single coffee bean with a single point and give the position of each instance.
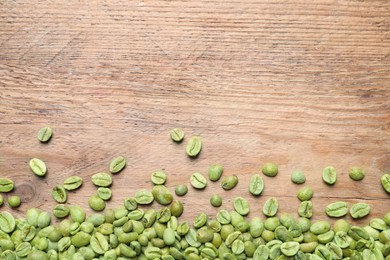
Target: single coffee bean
(77, 214)
(181, 190)
(305, 209)
(144, 197)
(385, 180)
(96, 203)
(337, 209)
(262, 252)
(359, 210)
(6, 185)
(329, 175)
(378, 224)
(216, 200)
(14, 201)
(102, 179)
(271, 207)
(177, 135)
(117, 164)
(356, 173)
(176, 208)
(270, 169)
(38, 167)
(131, 203)
(238, 247)
(289, 248)
(320, 227)
(305, 193)
(198, 181)
(223, 217)
(241, 205)
(45, 134)
(99, 243)
(81, 239)
(162, 195)
(7, 222)
(200, 220)
(229, 182)
(61, 211)
(298, 177)
(256, 185)
(158, 177)
(215, 172)
(104, 193)
(73, 183)
(341, 225)
(59, 194)
(194, 146)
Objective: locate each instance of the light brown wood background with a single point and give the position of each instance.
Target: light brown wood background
(305, 84)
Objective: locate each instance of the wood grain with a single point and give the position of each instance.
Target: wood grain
(304, 84)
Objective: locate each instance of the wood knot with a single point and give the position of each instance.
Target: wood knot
(25, 191)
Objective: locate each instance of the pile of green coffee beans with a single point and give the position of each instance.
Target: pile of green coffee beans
(133, 232)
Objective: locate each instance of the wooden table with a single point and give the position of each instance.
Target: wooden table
(305, 84)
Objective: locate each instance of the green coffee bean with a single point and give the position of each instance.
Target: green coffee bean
(305, 209)
(215, 172)
(356, 173)
(270, 169)
(323, 252)
(320, 227)
(38, 167)
(204, 235)
(271, 207)
(329, 175)
(23, 249)
(198, 181)
(158, 177)
(81, 239)
(131, 203)
(7, 222)
(378, 224)
(289, 248)
(262, 252)
(73, 183)
(117, 164)
(152, 252)
(304, 223)
(144, 197)
(183, 228)
(341, 225)
(232, 237)
(358, 233)
(162, 195)
(229, 182)
(37, 255)
(99, 243)
(256, 227)
(337, 209)
(104, 193)
(238, 247)
(77, 214)
(216, 200)
(59, 194)
(359, 210)
(176, 208)
(45, 134)
(6, 185)
(326, 237)
(181, 190)
(194, 146)
(102, 179)
(177, 135)
(14, 201)
(190, 237)
(385, 180)
(298, 177)
(223, 217)
(200, 220)
(241, 205)
(386, 218)
(305, 193)
(256, 185)
(96, 203)
(136, 214)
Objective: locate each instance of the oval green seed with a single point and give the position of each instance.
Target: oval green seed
(7, 222)
(59, 194)
(181, 190)
(102, 179)
(73, 183)
(320, 227)
(194, 146)
(216, 200)
(99, 243)
(176, 208)
(158, 177)
(6, 185)
(131, 203)
(289, 248)
(45, 134)
(117, 164)
(77, 214)
(38, 167)
(104, 193)
(200, 220)
(305, 209)
(144, 197)
(241, 205)
(96, 203)
(385, 181)
(223, 217)
(229, 182)
(360, 210)
(238, 247)
(305, 193)
(215, 172)
(256, 185)
(14, 201)
(271, 207)
(177, 135)
(198, 181)
(162, 195)
(329, 175)
(337, 209)
(298, 177)
(61, 211)
(356, 173)
(270, 169)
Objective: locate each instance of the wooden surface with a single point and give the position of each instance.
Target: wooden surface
(304, 84)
